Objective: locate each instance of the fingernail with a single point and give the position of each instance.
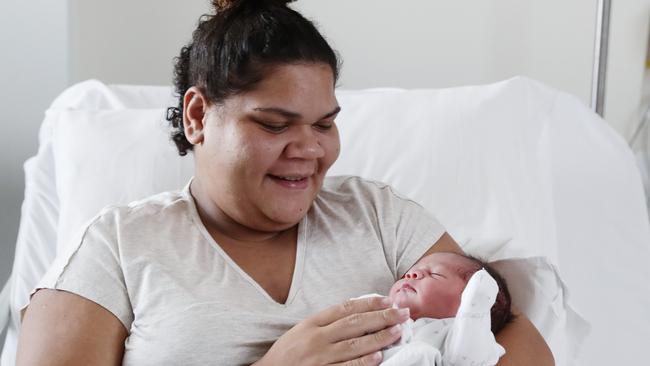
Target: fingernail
(395, 329)
(377, 356)
(386, 301)
(404, 312)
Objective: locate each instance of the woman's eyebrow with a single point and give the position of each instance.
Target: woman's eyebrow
(293, 115)
(332, 113)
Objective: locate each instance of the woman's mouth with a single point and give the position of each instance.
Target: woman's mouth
(291, 181)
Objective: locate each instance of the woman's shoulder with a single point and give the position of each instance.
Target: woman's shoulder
(153, 208)
(358, 188)
(343, 184)
(354, 196)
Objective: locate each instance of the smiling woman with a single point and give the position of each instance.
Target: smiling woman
(272, 169)
(251, 262)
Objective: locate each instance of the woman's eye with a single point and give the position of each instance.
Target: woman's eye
(275, 128)
(324, 126)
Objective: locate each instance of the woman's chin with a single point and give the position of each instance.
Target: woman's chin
(289, 215)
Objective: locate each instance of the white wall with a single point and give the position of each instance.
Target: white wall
(48, 45)
(445, 43)
(33, 70)
(629, 41)
(423, 43)
(420, 43)
(130, 42)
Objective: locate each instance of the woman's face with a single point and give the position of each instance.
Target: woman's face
(264, 153)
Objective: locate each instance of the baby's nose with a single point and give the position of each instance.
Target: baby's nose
(414, 275)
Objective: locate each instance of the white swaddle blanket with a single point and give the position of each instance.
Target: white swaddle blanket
(461, 341)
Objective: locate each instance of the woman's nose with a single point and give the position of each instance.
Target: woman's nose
(305, 145)
(414, 275)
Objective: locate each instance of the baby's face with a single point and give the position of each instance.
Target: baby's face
(433, 286)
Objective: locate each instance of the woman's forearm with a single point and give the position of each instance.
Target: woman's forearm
(524, 345)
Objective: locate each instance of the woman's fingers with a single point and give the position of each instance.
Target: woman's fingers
(336, 312)
(353, 348)
(372, 359)
(359, 324)
(345, 334)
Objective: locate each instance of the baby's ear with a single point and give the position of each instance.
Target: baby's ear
(466, 275)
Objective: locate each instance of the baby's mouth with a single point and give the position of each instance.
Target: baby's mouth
(407, 287)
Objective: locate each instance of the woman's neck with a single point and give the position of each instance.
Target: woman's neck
(220, 224)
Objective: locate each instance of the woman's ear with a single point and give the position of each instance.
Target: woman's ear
(195, 105)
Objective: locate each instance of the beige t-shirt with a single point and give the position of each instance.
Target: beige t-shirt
(185, 302)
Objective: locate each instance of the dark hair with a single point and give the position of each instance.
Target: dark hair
(231, 50)
(501, 311)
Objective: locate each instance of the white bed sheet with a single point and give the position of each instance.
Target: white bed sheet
(513, 169)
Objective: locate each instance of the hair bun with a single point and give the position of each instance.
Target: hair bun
(221, 5)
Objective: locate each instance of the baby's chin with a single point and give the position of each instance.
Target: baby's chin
(400, 300)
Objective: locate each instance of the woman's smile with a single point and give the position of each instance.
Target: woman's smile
(299, 182)
(267, 180)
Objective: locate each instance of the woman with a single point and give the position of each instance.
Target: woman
(253, 260)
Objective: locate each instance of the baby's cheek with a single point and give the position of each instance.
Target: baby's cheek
(394, 288)
(392, 294)
(448, 306)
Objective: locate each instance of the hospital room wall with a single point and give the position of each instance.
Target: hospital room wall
(33, 71)
(451, 43)
(444, 43)
(48, 45)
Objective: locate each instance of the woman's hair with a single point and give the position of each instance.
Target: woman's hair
(231, 51)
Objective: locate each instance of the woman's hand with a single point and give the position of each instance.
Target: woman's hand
(352, 333)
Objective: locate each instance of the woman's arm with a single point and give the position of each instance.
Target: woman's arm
(61, 328)
(523, 343)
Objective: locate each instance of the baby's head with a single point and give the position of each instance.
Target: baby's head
(432, 288)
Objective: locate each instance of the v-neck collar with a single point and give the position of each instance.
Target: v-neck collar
(298, 265)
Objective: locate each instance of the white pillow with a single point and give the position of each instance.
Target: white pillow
(95, 95)
(470, 155)
(107, 157)
(537, 290)
(476, 166)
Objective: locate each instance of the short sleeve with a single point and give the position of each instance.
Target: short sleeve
(410, 231)
(92, 269)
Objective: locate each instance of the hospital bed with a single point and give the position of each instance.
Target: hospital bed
(518, 172)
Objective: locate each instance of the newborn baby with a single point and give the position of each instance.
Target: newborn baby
(457, 303)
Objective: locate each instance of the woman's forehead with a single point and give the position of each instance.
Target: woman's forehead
(294, 88)
(296, 78)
